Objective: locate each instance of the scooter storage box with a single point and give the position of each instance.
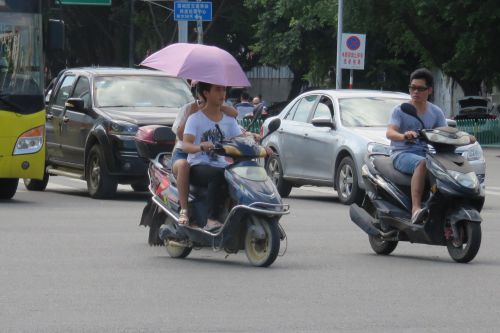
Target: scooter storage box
(154, 139)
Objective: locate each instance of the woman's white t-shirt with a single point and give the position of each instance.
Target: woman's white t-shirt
(203, 129)
(181, 117)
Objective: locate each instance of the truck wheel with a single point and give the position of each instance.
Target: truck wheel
(100, 184)
(275, 172)
(346, 182)
(36, 184)
(8, 187)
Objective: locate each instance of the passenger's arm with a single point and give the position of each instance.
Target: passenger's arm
(229, 110)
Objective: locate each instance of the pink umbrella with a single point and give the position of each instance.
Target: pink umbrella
(198, 62)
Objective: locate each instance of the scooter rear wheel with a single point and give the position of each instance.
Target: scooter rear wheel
(381, 246)
(262, 252)
(470, 234)
(176, 250)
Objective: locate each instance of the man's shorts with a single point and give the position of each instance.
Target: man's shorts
(178, 154)
(407, 162)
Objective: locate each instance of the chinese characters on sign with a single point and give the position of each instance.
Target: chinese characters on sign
(352, 53)
(192, 11)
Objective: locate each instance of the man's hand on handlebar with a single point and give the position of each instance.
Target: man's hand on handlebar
(206, 146)
(410, 135)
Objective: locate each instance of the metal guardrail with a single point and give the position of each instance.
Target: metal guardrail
(486, 131)
(255, 128)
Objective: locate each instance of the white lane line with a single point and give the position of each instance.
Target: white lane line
(488, 192)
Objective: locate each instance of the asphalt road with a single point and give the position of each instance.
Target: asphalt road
(69, 263)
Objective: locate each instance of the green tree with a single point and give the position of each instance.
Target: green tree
(459, 37)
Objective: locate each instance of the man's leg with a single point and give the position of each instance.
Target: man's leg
(417, 186)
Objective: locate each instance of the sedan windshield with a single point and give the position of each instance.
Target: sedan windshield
(141, 91)
(367, 111)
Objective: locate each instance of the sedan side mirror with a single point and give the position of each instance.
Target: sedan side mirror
(323, 122)
(75, 104)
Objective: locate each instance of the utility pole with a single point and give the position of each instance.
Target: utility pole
(199, 29)
(338, 70)
(131, 40)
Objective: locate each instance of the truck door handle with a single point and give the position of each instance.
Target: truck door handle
(65, 119)
(49, 116)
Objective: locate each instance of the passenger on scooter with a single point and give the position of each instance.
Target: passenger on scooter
(407, 156)
(180, 166)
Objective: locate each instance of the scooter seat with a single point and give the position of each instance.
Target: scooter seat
(385, 167)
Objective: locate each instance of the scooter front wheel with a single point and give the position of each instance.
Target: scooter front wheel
(466, 248)
(262, 242)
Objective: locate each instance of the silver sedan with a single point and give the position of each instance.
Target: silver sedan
(324, 137)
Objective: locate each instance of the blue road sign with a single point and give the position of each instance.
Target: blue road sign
(192, 11)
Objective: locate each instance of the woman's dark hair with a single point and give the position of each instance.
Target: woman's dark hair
(423, 74)
(202, 87)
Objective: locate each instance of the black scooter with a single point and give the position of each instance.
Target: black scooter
(251, 215)
(453, 199)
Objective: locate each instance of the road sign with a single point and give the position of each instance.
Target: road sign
(84, 2)
(192, 11)
(352, 52)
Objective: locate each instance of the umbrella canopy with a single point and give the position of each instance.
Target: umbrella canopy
(199, 62)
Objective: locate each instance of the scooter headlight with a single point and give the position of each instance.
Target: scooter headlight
(468, 180)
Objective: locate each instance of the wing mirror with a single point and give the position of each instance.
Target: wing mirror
(323, 122)
(75, 104)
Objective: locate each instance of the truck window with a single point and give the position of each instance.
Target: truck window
(64, 90)
(82, 90)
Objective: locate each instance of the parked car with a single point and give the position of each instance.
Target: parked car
(475, 107)
(92, 117)
(324, 137)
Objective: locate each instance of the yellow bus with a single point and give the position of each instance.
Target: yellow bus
(22, 109)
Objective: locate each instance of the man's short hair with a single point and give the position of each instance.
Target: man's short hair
(245, 96)
(423, 74)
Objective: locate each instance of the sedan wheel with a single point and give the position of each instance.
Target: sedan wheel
(346, 182)
(275, 172)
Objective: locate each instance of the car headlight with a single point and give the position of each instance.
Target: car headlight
(122, 128)
(30, 141)
(468, 180)
(378, 148)
(473, 153)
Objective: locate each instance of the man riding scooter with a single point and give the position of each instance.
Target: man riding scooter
(409, 156)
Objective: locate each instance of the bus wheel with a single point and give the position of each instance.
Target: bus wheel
(8, 187)
(36, 184)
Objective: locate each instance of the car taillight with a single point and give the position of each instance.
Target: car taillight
(30, 141)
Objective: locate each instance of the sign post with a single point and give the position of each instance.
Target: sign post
(352, 54)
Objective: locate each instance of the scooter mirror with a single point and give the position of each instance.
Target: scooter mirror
(258, 111)
(409, 109)
(274, 125)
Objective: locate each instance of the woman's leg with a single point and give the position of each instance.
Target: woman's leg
(181, 171)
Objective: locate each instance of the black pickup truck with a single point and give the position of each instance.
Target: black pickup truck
(92, 117)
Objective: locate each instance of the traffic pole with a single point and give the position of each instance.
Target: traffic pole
(338, 70)
(351, 78)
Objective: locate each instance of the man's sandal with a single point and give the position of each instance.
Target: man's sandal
(183, 217)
